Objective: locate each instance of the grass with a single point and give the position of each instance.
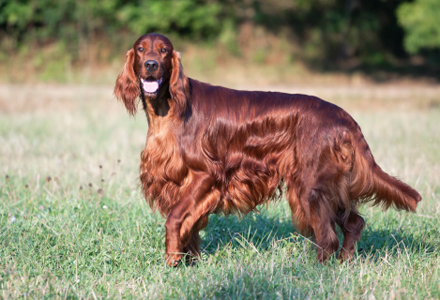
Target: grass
(74, 224)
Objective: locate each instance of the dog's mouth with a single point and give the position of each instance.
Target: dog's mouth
(151, 85)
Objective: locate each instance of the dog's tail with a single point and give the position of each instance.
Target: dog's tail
(370, 183)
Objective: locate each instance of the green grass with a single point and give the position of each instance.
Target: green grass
(74, 224)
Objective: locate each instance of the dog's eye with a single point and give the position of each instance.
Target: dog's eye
(163, 50)
(141, 49)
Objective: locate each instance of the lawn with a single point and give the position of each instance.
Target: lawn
(74, 223)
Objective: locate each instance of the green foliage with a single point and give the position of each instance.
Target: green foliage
(187, 17)
(323, 33)
(420, 19)
(330, 31)
(77, 23)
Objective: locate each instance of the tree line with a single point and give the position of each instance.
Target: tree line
(326, 32)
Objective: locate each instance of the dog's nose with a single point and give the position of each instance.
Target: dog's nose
(151, 65)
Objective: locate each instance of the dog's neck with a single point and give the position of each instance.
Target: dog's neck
(160, 106)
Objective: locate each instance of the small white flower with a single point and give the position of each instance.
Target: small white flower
(13, 219)
(104, 207)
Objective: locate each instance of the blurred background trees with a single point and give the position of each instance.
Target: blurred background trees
(322, 34)
(421, 21)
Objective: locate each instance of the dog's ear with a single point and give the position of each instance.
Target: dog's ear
(127, 86)
(179, 84)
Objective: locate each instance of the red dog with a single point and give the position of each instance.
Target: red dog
(212, 149)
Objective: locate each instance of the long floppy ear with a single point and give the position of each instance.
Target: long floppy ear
(127, 86)
(179, 84)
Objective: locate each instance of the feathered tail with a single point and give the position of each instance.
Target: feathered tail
(370, 183)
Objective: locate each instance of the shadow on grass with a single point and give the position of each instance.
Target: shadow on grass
(259, 229)
(379, 242)
(263, 231)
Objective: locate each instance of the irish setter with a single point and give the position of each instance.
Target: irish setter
(211, 149)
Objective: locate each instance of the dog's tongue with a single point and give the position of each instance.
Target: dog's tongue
(150, 86)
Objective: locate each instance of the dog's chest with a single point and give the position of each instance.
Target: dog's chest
(161, 161)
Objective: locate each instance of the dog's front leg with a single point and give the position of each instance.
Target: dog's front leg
(188, 216)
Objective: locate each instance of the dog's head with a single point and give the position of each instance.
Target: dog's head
(152, 70)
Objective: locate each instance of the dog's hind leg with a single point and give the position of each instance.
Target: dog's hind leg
(323, 225)
(351, 227)
(312, 215)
